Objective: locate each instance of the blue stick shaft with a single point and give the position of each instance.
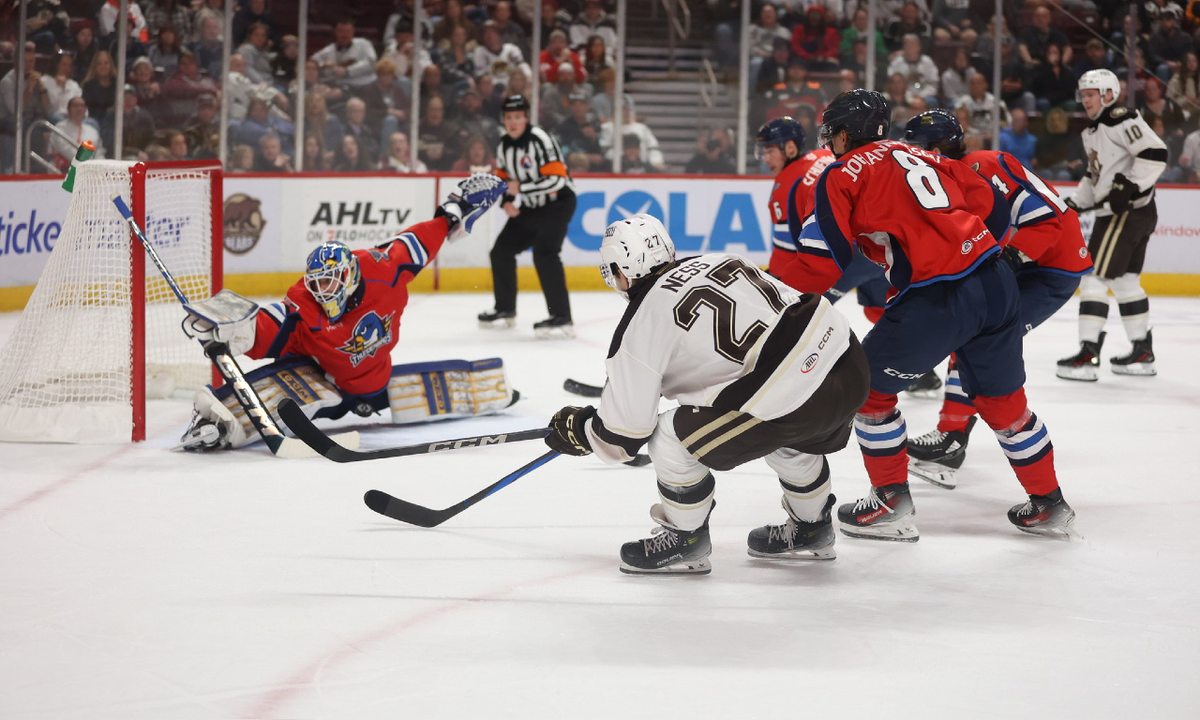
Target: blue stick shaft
(158, 263)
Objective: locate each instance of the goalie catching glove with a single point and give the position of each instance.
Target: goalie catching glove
(226, 318)
(567, 434)
(469, 202)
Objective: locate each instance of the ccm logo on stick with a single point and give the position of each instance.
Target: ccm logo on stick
(469, 442)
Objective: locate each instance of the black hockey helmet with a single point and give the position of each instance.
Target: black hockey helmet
(938, 129)
(515, 103)
(778, 132)
(863, 114)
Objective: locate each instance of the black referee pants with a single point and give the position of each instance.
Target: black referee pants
(544, 230)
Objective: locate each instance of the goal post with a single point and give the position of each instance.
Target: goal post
(101, 332)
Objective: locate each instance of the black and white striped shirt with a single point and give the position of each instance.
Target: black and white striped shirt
(536, 161)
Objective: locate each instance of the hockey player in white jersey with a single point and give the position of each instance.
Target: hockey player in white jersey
(1125, 159)
(759, 370)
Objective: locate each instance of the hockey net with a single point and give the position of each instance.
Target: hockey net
(101, 331)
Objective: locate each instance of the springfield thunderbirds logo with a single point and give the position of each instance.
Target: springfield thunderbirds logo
(370, 333)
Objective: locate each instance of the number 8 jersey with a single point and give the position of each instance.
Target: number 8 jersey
(713, 331)
(922, 217)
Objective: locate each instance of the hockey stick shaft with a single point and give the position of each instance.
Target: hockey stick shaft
(414, 514)
(579, 388)
(312, 436)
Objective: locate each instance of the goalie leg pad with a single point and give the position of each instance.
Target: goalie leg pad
(297, 378)
(447, 389)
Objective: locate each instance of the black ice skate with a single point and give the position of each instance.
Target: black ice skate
(927, 386)
(202, 435)
(1139, 360)
(555, 328)
(936, 455)
(796, 539)
(669, 549)
(1083, 365)
(886, 513)
(497, 319)
(1047, 515)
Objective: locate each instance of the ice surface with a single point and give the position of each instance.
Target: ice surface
(138, 583)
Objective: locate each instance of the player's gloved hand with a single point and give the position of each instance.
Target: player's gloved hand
(238, 336)
(471, 200)
(567, 435)
(1121, 193)
(1070, 202)
(1014, 257)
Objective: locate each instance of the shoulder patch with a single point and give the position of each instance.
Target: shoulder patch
(1119, 112)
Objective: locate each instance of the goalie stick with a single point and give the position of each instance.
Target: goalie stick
(578, 388)
(279, 444)
(414, 514)
(312, 436)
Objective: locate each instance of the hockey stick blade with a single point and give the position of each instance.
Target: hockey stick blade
(578, 388)
(313, 437)
(420, 516)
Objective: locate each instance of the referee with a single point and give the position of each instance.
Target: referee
(532, 163)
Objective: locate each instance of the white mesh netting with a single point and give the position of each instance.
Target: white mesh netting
(65, 372)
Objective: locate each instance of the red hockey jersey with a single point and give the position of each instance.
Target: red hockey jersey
(922, 217)
(1046, 230)
(791, 202)
(356, 350)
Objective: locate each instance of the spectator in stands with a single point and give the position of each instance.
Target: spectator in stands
(99, 86)
(1168, 44)
(432, 86)
(283, 65)
(580, 133)
(905, 103)
(1014, 90)
(1016, 140)
(510, 31)
(816, 41)
(399, 50)
(150, 97)
(833, 11)
(631, 160)
(352, 157)
(60, 88)
(763, 36)
(177, 146)
(241, 159)
(456, 60)
(249, 13)
(797, 91)
(553, 19)
(317, 157)
(1095, 57)
(270, 157)
(972, 139)
(134, 16)
(648, 152)
(773, 71)
(137, 128)
(356, 125)
(956, 77)
(1055, 159)
(82, 47)
(985, 46)
(254, 52)
(499, 59)
(518, 84)
(1184, 87)
(712, 155)
(318, 119)
(1052, 84)
(45, 24)
(348, 62)
(1156, 106)
(440, 142)
(907, 22)
(208, 49)
(577, 163)
(557, 54)
(203, 130)
(79, 132)
(163, 53)
(399, 155)
(477, 158)
(1189, 159)
(952, 21)
(259, 122)
(239, 90)
(170, 13)
(596, 57)
(981, 105)
(555, 105)
(182, 89)
(857, 31)
(857, 62)
(472, 119)
(919, 70)
(593, 21)
(602, 102)
(207, 9)
(402, 15)
(387, 104)
(1040, 34)
(453, 17)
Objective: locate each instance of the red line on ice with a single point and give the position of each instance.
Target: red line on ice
(61, 483)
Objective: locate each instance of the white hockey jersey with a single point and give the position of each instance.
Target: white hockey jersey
(713, 331)
(1120, 141)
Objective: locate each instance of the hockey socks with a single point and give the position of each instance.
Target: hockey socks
(957, 407)
(1093, 307)
(883, 438)
(1024, 439)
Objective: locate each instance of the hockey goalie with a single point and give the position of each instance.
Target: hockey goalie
(331, 337)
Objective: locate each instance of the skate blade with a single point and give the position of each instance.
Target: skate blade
(1140, 369)
(897, 531)
(932, 473)
(558, 333)
(688, 567)
(1083, 374)
(501, 324)
(1062, 531)
(817, 555)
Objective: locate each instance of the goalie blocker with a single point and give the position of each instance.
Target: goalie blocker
(417, 392)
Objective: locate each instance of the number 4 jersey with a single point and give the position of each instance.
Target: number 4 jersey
(713, 331)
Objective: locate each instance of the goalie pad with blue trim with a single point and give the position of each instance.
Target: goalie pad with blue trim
(446, 389)
(297, 378)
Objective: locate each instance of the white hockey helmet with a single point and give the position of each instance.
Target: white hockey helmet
(635, 246)
(1101, 80)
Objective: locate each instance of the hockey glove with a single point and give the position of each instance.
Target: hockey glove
(567, 435)
(1121, 193)
(1014, 257)
(471, 200)
(1070, 202)
(226, 318)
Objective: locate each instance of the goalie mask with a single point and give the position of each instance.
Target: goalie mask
(636, 247)
(331, 276)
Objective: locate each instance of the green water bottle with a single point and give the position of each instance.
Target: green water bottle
(84, 153)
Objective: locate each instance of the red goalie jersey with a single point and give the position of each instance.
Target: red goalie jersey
(791, 202)
(356, 350)
(922, 217)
